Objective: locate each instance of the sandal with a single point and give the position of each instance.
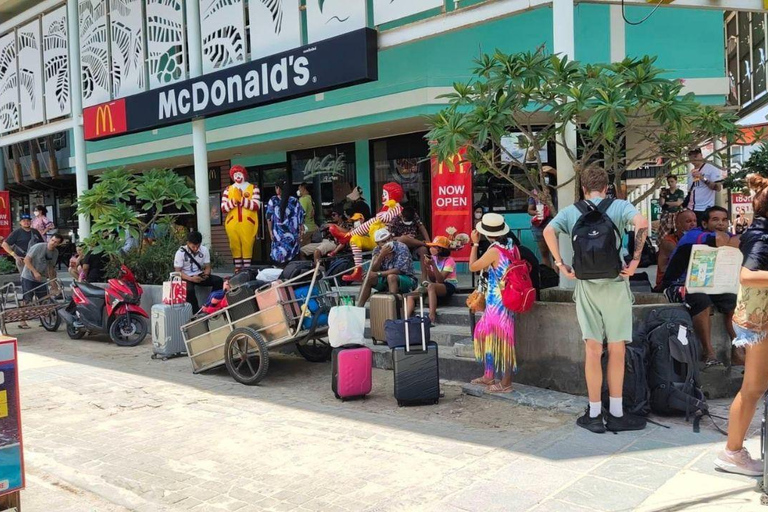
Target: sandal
(498, 388)
(712, 362)
(483, 381)
(24, 326)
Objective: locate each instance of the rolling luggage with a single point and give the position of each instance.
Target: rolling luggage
(239, 294)
(277, 294)
(416, 371)
(167, 320)
(351, 374)
(383, 308)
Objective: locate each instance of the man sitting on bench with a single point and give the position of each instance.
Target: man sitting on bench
(391, 268)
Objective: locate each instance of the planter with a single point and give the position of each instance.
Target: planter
(153, 294)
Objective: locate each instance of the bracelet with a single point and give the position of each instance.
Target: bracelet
(475, 245)
(558, 263)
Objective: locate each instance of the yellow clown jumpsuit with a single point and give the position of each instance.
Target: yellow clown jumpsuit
(242, 221)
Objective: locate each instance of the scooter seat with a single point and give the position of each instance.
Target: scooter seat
(91, 290)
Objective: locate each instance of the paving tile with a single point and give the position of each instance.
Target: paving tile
(600, 494)
(636, 472)
(492, 496)
(663, 453)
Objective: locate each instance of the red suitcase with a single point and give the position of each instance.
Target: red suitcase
(351, 376)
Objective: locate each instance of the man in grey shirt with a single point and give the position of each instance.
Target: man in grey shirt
(39, 262)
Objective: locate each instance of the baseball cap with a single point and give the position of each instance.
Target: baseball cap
(381, 235)
(25, 216)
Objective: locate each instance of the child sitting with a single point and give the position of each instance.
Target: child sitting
(217, 300)
(441, 271)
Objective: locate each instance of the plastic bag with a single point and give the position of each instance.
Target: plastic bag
(346, 325)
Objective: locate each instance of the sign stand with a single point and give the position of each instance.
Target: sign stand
(11, 502)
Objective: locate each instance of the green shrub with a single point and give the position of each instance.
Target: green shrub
(7, 266)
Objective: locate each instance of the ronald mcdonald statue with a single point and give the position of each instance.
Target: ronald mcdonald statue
(361, 237)
(241, 202)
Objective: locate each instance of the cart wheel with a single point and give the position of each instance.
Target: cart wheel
(75, 333)
(51, 321)
(246, 356)
(764, 499)
(316, 350)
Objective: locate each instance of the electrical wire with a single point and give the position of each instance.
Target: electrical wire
(636, 23)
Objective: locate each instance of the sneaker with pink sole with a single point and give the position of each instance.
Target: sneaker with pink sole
(740, 463)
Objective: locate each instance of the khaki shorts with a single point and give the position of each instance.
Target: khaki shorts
(604, 310)
(324, 247)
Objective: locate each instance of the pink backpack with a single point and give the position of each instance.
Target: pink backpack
(515, 286)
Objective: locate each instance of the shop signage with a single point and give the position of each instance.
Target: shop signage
(741, 203)
(11, 452)
(452, 203)
(341, 61)
(6, 224)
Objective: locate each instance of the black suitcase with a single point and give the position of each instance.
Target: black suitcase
(416, 371)
(239, 294)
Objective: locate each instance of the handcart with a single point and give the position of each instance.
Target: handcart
(43, 308)
(242, 342)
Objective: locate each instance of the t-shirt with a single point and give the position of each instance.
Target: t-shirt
(702, 197)
(673, 197)
(399, 259)
(447, 265)
(398, 227)
(20, 240)
(360, 207)
(42, 259)
(96, 265)
(620, 212)
(309, 213)
(183, 261)
(677, 269)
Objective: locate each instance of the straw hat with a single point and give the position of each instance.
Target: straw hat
(440, 241)
(492, 224)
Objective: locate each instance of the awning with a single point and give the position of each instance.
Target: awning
(749, 134)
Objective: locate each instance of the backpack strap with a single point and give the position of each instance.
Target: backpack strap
(585, 206)
(604, 204)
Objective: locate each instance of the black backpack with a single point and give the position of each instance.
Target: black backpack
(339, 265)
(296, 268)
(636, 395)
(673, 375)
(595, 242)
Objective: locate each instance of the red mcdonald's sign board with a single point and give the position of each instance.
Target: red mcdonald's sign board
(452, 202)
(6, 223)
(105, 120)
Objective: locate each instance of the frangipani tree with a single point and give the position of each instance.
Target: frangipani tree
(625, 115)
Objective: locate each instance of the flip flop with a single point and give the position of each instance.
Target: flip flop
(481, 380)
(712, 362)
(498, 388)
(25, 326)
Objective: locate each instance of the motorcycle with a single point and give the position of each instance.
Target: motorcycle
(113, 309)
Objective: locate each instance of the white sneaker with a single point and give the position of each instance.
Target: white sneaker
(740, 463)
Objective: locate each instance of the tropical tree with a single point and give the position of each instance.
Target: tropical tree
(624, 114)
(756, 163)
(121, 202)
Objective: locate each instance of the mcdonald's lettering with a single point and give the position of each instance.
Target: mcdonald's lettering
(104, 120)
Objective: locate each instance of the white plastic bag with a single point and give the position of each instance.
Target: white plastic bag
(346, 325)
(269, 274)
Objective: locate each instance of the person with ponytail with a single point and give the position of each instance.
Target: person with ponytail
(750, 321)
(285, 218)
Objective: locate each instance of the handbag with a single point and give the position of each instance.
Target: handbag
(174, 291)
(476, 299)
(346, 325)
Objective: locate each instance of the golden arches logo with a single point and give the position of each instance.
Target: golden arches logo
(457, 164)
(3, 205)
(104, 115)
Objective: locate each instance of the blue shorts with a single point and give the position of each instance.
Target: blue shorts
(747, 337)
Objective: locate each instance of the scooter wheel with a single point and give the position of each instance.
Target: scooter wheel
(128, 331)
(75, 333)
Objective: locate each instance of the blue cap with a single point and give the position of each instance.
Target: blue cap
(25, 216)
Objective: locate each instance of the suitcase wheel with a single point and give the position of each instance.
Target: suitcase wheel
(153, 356)
(764, 499)
(435, 402)
(338, 397)
(400, 404)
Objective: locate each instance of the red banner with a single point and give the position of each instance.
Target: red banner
(105, 120)
(452, 203)
(6, 223)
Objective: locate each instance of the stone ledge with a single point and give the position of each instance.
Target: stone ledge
(531, 396)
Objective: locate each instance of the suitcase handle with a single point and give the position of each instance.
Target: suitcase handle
(405, 324)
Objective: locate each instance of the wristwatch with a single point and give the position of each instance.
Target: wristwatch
(559, 263)
(705, 180)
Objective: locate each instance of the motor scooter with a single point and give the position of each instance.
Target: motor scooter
(113, 309)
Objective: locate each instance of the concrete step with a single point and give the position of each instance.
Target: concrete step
(457, 299)
(442, 334)
(451, 367)
(446, 315)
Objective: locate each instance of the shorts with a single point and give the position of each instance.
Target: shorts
(324, 247)
(32, 289)
(538, 233)
(405, 284)
(698, 302)
(747, 337)
(450, 288)
(604, 310)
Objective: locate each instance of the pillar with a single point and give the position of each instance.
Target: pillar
(618, 34)
(565, 46)
(78, 137)
(722, 197)
(2, 168)
(199, 141)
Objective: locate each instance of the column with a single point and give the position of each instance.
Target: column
(723, 196)
(565, 45)
(618, 34)
(2, 169)
(78, 138)
(199, 142)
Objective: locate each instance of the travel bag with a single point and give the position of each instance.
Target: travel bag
(237, 308)
(383, 308)
(167, 340)
(416, 371)
(351, 371)
(277, 294)
(394, 330)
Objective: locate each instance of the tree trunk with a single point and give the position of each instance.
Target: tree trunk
(53, 164)
(34, 167)
(18, 172)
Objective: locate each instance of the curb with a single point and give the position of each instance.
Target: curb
(530, 396)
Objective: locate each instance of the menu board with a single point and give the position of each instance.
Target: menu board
(11, 452)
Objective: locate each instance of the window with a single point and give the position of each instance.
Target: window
(403, 159)
(746, 55)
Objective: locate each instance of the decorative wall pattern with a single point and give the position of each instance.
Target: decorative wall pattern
(56, 63)
(30, 73)
(390, 10)
(94, 53)
(275, 26)
(328, 18)
(9, 81)
(127, 45)
(223, 30)
(166, 51)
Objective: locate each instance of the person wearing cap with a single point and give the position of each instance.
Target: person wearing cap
(357, 204)
(603, 306)
(241, 202)
(704, 181)
(327, 245)
(285, 218)
(18, 243)
(440, 269)
(391, 268)
(494, 336)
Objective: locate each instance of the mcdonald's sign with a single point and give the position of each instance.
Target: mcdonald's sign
(105, 120)
(5, 214)
(452, 199)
